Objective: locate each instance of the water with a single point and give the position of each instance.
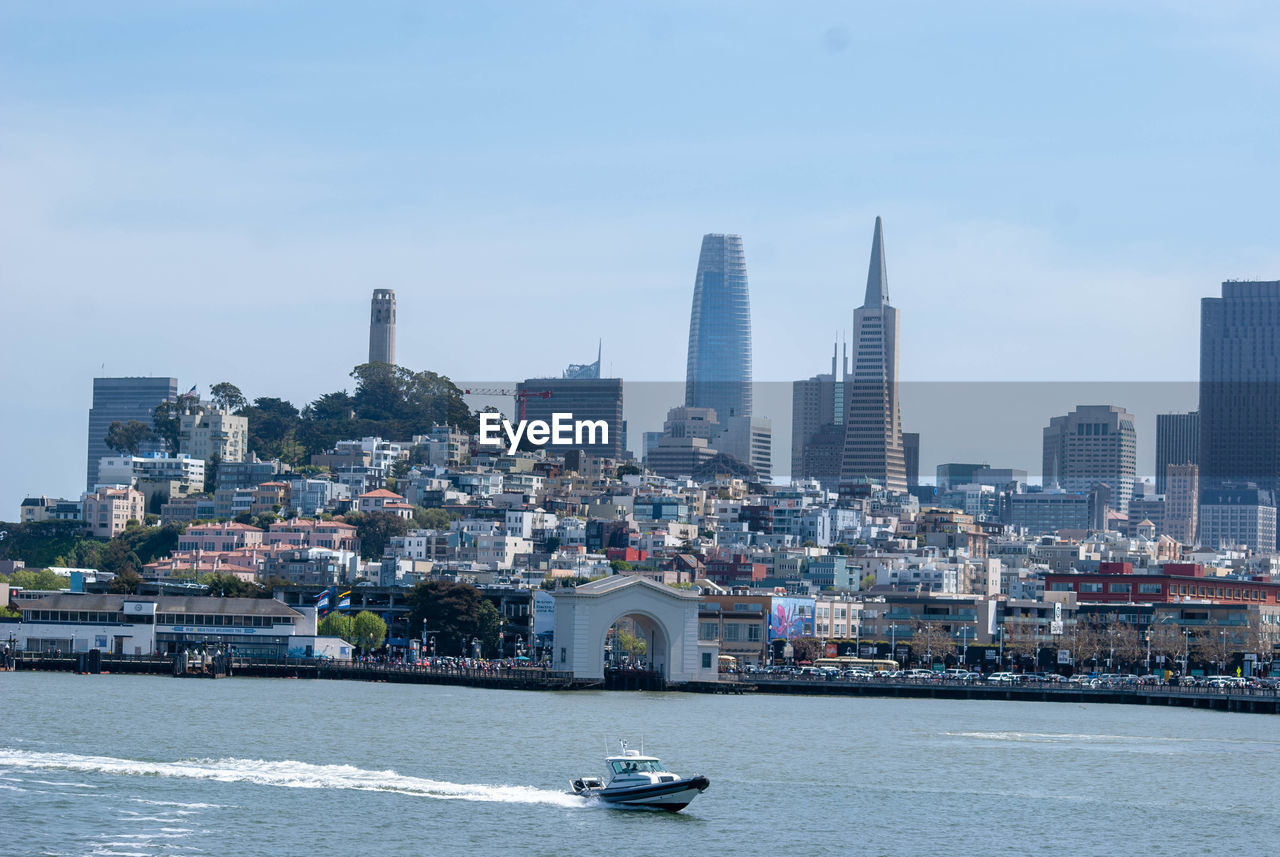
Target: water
(141, 766)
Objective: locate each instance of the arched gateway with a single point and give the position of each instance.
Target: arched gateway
(667, 618)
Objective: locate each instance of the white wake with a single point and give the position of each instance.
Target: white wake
(286, 774)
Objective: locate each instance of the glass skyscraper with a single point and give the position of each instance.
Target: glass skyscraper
(719, 368)
(122, 400)
(1240, 385)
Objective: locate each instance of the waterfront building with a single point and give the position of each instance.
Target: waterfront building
(122, 400)
(718, 372)
(1238, 515)
(873, 424)
(1177, 442)
(1093, 444)
(1240, 386)
(143, 625)
(382, 327)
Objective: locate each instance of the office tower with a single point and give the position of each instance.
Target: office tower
(1093, 444)
(817, 424)
(585, 371)
(719, 366)
(954, 474)
(382, 327)
(1240, 386)
(911, 457)
(122, 400)
(1181, 502)
(749, 440)
(1177, 442)
(583, 397)
(1238, 515)
(873, 425)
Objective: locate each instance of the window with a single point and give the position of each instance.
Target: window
(706, 660)
(753, 633)
(1091, 587)
(1120, 588)
(708, 631)
(732, 633)
(1149, 588)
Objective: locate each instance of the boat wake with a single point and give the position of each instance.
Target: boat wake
(285, 774)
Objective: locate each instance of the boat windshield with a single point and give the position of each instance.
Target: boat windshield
(636, 766)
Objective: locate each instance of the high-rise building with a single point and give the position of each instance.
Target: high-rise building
(873, 424)
(1177, 442)
(1093, 444)
(719, 365)
(1240, 386)
(1181, 502)
(817, 424)
(382, 327)
(593, 399)
(122, 400)
(911, 457)
(1238, 514)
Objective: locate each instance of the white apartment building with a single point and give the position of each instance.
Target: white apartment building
(205, 433)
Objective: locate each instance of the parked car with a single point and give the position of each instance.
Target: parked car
(1002, 678)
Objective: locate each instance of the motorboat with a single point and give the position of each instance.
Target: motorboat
(634, 779)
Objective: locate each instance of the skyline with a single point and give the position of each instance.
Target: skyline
(248, 174)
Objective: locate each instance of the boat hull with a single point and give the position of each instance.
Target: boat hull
(673, 796)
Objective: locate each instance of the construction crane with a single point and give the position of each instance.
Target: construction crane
(521, 396)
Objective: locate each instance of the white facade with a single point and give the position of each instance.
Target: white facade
(128, 469)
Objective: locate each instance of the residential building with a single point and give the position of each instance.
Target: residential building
(122, 400)
(208, 433)
(873, 425)
(219, 538)
(108, 511)
(1094, 444)
(719, 363)
(35, 509)
(130, 469)
(383, 500)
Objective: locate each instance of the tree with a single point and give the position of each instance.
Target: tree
(336, 625)
(1167, 640)
(125, 583)
(368, 630)
(37, 579)
(228, 586)
(489, 621)
(1020, 642)
(1211, 645)
(430, 519)
(619, 565)
(167, 424)
(447, 610)
(805, 649)
(128, 436)
(1123, 644)
(630, 468)
(118, 558)
(376, 530)
(273, 429)
(630, 644)
(929, 640)
(227, 396)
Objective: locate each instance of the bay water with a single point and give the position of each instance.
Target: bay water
(140, 765)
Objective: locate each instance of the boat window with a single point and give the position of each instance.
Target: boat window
(634, 766)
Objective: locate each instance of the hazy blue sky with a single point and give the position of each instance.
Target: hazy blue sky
(211, 190)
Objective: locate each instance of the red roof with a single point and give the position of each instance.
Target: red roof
(382, 492)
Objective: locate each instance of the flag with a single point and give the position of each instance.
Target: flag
(344, 600)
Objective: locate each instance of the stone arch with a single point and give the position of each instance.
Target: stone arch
(658, 661)
(584, 614)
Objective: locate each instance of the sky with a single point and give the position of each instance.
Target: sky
(212, 191)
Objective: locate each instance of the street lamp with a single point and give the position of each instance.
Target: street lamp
(965, 633)
(893, 644)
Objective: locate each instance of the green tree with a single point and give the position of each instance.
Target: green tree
(450, 612)
(806, 649)
(368, 630)
(619, 565)
(336, 625)
(273, 429)
(125, 583)
(628, 469)
(37, 579)
(228, 586)
(127, 436)
(167, 424)
(375, 531)
(489, 623)
(430, 519)
(119, 558)
(630, 644)
(227, 396)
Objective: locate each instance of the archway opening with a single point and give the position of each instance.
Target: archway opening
(636, 652)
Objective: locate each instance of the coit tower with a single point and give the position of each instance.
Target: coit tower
(382, 327)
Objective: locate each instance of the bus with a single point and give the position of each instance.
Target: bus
(728, 664)
(852, 663)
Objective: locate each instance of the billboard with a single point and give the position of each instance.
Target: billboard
(790, 618)
(544, 612)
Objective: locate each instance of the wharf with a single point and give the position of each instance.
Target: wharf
(1259, 701)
